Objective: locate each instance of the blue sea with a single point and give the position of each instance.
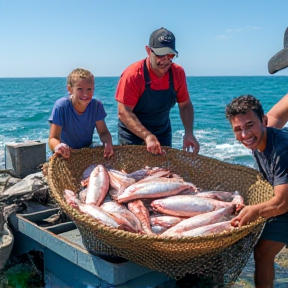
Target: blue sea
(26, 104)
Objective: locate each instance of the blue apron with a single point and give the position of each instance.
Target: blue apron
(152, 110)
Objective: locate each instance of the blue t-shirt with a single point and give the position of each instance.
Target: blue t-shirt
(77, 130)
(273, 161)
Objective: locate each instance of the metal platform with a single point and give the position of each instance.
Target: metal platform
(66, 260)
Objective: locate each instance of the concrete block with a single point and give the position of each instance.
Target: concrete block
(24, 158)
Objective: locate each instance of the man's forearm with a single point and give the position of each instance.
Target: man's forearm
(130, 120)
(187, 116)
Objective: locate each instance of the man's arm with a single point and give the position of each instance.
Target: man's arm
(278, 114)
(277, 205)
(186, 111)
(130, 120)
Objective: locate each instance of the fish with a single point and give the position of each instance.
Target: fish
(239, 201)
(218, 195)
(85, 182)
(159, 187)
(91, 210)
(215, 228)
(200, 220)
(118, 182)
(88, 170)
(157, 229)
(98, 185)
(156, 174)
(123, 216)
(187, 205)
(165, 220)
(140, 211)
(82, 195)
(189, 191)
(148, 172)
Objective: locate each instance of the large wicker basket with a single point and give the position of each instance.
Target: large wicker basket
(220, 257)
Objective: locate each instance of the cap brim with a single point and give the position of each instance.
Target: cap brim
(279, 61)
(164, 51)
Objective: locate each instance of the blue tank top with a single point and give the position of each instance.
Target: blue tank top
(152, 110)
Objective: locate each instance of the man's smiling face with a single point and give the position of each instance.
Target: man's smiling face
(249, 130)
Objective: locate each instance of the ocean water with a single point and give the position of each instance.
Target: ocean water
(26, 104)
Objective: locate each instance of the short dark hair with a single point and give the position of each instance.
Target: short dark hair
(242, 105)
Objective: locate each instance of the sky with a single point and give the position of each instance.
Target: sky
(50, 38)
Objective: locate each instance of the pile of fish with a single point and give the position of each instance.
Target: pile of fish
(153, 201)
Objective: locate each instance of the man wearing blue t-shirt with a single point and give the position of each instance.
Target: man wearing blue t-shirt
(270, 150)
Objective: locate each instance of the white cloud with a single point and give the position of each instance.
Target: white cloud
(244, 29)
(230, 32)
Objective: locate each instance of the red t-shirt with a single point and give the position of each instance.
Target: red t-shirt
(132, 83)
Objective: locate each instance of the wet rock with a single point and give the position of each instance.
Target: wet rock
(33, 185)
(7, 181)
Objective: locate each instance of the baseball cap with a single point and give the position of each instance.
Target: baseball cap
(280, 60)
(162, 41)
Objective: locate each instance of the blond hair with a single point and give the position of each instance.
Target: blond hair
(79, 73)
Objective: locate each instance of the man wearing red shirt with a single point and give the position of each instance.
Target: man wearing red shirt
(146, 92)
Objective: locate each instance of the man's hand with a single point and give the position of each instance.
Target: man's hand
(153, 145)
(189, 141)
(63, 150)
(247, 215)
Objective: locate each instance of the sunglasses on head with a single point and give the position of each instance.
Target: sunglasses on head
(170, 56)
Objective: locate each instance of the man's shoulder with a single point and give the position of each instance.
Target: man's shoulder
(278, 134)
(280, 140)
(178, 70)
(134, 67)
(177, 67)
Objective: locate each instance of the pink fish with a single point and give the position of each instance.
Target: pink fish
(159, 187)
(82, 195)
(187, 205)
(218, 195)
(88, 170)
(215, 228)
(157, 229)
(118, 182)
(165, 220)
(98, 185)
(148, 172)
(200, 221)
(123, 216)
(91, 210)
(239, 201)
(139, 210)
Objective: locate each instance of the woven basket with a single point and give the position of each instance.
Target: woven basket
(220, 257)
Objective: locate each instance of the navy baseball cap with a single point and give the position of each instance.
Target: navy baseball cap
(162, 41)
(280, 60)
